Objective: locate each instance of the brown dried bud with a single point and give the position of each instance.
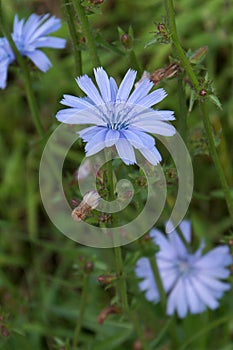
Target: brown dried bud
(164, 73)
(230, 242)
(106, 311)
(106, 279)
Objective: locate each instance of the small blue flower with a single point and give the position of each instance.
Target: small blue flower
(6, 58)
(191, 281)
(120, 119)
(29, 36)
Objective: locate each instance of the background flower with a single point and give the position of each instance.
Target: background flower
(192, 281)
(29, 36)
(121, 119)
(6, 57)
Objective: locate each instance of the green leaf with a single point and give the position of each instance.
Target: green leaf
(114, 341)
(214, 99)
(151, 42)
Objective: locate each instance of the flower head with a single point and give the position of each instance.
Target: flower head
(29, 36)
(191, 281)
(120, 119)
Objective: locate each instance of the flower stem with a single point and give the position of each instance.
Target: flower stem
(157, 277)
(87, 32)
(27, 78)
(83, 304)
(121, 287)
(205, 116)
(69, 12)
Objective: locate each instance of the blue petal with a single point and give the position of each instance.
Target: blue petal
(147, 115)
(87, 134)
(52, 42)
(77, 116)
(102, 80)
(96, 144)
(153, 98)
(156, 127)
(112, 136)
(138, 138)
(142, 89)
(125, 151)
(87, 85)
(39, 59)
(152, 155)
(76, 102)
(114, 89)
(126, 86)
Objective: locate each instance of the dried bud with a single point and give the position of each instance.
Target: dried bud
(230, 242)
(199, 55)
(106, 311)
(164, 73)
(88, 268)
(106, 279)
(90, 201)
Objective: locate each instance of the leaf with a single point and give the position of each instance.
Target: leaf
(151, 42)
(113, 342)
(214, 99)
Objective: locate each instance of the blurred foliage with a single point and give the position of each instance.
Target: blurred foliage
(41, 271)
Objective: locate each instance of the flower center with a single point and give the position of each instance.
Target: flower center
(117, 115)
(183, 267)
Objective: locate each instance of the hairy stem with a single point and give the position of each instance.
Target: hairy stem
(87, 33)
(69, 12)
(83, 304)
(181, 55)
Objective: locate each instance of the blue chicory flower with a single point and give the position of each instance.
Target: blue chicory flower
(120, 119)
(191, 281)
(29, 36)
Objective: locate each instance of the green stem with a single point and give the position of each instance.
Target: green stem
(122, 288)
(216, 159)
(121, 285)
(83, 304)
(176, 42)
(69, 12)
(206, 120)
(87, 33)
(138, 329)
(183, 111)
(157, 277)
(26, 75)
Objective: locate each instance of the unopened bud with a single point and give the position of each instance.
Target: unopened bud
(88, 268)
(106, 279)
(4, 331)
(203, 92)
(126, 41)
